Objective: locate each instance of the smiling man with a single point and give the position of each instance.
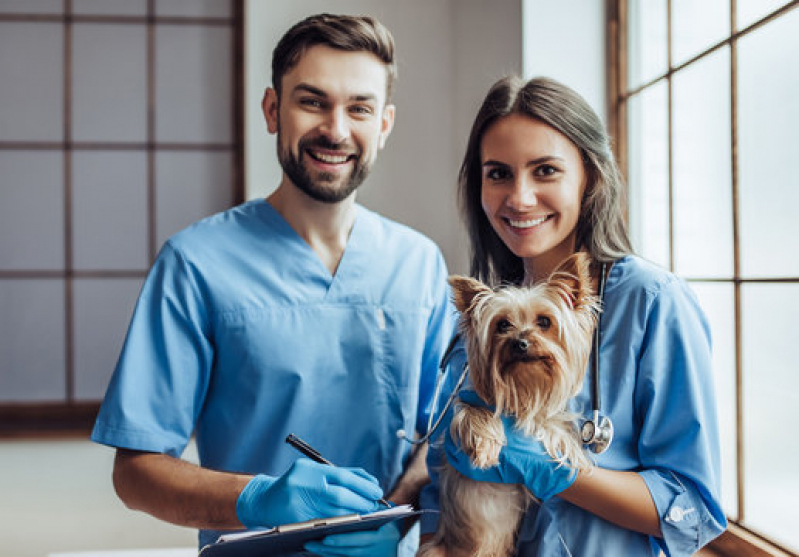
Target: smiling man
(304, 313)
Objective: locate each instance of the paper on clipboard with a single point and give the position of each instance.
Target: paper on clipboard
(292, 537)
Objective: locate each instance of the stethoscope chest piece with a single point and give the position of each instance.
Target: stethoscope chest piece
(597, 433)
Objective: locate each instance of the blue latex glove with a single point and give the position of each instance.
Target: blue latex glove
(307, 490)
(521, 461)
(368, 543)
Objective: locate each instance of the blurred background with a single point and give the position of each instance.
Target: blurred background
(122, 121)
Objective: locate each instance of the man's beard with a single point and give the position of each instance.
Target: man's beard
(324, 188)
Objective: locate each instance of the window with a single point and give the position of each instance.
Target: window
(118, 127)
(705, 99)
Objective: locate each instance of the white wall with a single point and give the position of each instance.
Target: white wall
(565, 40)
(449, 52)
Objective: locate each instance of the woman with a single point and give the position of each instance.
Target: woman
(539, 182)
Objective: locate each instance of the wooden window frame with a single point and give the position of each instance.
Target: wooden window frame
(737, 540)
(70, 417)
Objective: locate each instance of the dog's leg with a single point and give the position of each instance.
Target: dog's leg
(480, 434)
(478, 519)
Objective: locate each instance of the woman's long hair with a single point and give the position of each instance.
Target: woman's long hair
(601, 226)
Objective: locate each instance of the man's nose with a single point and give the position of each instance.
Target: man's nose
(336, 125)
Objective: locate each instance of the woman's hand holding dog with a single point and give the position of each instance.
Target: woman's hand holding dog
(521, 461)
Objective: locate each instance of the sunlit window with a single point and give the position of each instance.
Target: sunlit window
(709, 92)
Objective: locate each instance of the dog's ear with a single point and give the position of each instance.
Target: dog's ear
(465, 290)
(572, 280)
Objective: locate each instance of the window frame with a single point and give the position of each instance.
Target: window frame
(70, 417)
(738, 539)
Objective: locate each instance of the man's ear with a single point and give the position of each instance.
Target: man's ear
(386, 124)
(270, 106)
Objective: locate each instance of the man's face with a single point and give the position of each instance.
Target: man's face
(331, 120)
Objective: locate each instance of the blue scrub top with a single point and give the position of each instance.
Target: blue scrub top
(657, 388)
(242, 336)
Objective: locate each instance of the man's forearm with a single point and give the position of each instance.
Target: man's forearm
(177, 491)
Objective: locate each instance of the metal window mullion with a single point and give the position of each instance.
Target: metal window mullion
(670, 111)
(737, 285)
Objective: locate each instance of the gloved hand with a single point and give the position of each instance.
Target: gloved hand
(307, 490)
(368, 543)
(521, 461)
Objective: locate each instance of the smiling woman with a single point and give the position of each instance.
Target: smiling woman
(533, 184)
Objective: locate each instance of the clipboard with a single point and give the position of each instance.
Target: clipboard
(291, 538)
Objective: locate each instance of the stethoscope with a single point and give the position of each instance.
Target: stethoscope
(597, 432)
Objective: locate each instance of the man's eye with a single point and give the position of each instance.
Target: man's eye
(312, 103)
(544, 322)
(503, 326)
(363, 110)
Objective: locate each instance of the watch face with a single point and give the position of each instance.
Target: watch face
(587, 431)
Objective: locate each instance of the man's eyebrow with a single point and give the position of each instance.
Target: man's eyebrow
(307, 88)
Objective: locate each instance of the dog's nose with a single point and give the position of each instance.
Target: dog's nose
(520, 346)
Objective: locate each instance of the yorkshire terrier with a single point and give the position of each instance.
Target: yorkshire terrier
(528, 349)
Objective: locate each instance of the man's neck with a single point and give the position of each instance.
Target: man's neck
(325, 227)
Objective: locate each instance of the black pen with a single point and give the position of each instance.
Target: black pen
(314, 455)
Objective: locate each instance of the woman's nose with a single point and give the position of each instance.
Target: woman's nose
(523, 195)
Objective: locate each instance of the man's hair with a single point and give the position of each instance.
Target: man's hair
(601, 226)
(342, 32)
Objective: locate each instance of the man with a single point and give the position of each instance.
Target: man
(304, 313)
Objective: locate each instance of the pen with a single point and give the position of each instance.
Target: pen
(314, 455)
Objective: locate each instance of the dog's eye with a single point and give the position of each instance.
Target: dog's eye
(503, 325)
(544, 322)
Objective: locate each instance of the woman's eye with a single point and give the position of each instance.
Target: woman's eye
(503, 325)
(497, 174)
(545, 170)
(544, 322)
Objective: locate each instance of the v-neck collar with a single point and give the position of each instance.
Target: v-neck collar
(351, 265)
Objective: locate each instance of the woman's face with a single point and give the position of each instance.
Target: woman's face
(532, 187)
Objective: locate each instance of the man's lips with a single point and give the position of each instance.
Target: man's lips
(330, 157)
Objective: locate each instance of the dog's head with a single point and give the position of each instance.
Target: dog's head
(528, 347)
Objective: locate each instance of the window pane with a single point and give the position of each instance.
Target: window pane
(771, 396)
(193, 84)
(110, 210)
(696, 26)
(102, 311)
(768, 113)
(649, 172)
(717, 300)
(109, 87)
(749, 11)
(31, 81)
(32, 344)
(193, 8)
(190, 186)
(647, 41)
(110, 7)
(31, 207)
(32, 6)
(702, 173)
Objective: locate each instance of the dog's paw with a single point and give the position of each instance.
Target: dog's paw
(486, 452)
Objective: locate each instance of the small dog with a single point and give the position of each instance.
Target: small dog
(528, 349)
